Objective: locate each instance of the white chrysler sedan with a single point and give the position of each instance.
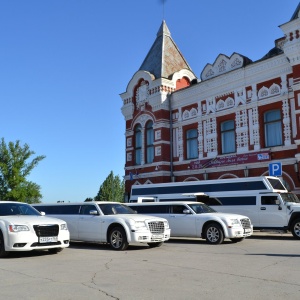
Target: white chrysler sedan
(23, 228)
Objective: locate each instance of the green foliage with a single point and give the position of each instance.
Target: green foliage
(112, 189)
(14, 168)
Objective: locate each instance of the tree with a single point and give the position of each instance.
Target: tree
(112, 189)
(14, 168)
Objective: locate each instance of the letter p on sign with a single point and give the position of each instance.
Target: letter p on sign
(275, 169)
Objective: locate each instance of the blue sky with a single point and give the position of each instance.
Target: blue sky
(63, 64)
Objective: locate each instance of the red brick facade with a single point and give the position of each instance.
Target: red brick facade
(232, 89)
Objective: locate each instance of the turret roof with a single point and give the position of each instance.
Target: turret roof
(164, 57)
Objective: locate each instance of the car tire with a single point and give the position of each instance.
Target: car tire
(3, 253)
(55, 250)
(214, 234)
(295, 229)
(118, 239)
(154, 245)
(237, 240)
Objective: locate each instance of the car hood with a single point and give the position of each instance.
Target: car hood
(33, 220)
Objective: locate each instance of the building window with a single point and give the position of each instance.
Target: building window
(149, 142)
(273, 130)
(191, 143)
(138, 145)
(228, 137)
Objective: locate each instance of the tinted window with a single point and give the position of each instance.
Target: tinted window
(178, 209)
(238, 200)
(11, 209)
(59, 209)
(151, 209)
(276, 184)
(86, 209)
(268, 200)
(115, 209)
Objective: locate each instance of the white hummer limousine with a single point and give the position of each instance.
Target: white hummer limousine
(197, 220)
(109, 222)
(23, 228)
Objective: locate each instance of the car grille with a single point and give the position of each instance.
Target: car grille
(246, 223)
(46, 230)
(156, 227)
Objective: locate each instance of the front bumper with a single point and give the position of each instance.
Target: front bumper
(239, 232)
(27, 241)
(148, 237)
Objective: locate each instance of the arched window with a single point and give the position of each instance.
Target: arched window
(149, 142)
(228, 137)
(191, 144)
(273, 129)
(138, 145)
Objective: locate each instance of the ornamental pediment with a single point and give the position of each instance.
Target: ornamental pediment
(224, 64)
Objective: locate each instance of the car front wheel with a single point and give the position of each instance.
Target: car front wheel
(3, 253)
(118, 239)
(214, 234)
(296, 229)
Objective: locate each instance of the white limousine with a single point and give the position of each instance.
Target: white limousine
(197, 220)
(109, 222)
(23, 228)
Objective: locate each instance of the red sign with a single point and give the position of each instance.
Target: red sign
(234, 159)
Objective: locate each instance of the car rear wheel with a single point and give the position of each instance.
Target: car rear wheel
(3, 253)
(118, 239)
(295, 229)
(154, 245)
(214, 234)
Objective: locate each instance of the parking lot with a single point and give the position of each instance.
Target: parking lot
(265, 266)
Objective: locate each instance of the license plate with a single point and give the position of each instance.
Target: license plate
(157, 236)
(48, 239)
(247, 230)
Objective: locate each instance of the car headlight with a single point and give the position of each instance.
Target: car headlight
(166, 224)
(63, 226)
(18, 228)
(234, 222)
(139, 224)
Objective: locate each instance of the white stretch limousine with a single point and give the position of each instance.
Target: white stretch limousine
(197, 220)
(109, 222)
(22, 228)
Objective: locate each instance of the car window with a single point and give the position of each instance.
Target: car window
(85, 209)
(178, 209)
(11, 209)
(115, 209)
(201, 208)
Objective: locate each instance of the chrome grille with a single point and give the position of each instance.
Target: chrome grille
(156, 227)
(246, 223)
(46, 230)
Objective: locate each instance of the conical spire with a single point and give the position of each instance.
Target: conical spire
(164, 57)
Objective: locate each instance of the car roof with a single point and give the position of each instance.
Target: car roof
(164, 203)
(77, 203)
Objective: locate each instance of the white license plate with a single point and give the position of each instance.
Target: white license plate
(247, 230)
(157, 236)
(48, 239)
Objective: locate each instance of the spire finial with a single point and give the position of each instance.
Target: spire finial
(163, 8)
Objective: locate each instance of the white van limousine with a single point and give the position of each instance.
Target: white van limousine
(23, 228)
(109, 222)
(197, 220)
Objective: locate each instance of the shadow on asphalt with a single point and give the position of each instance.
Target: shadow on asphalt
(273, 254)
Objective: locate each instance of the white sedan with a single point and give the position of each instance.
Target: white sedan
(23, 228)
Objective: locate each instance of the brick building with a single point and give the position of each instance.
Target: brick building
(233, 121)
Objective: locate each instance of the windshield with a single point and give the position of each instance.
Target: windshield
(115, 209)
(290, 197)
(201, 208)
(12, 209)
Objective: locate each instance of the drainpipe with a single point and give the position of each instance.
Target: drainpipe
(171, 140)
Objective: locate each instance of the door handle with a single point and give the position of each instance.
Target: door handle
(262, 208)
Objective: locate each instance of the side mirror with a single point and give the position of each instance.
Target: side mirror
(94, 212)
(277, 202)
(186, 211)
(42, 213)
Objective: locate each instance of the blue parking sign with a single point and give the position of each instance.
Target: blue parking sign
(275, 169)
